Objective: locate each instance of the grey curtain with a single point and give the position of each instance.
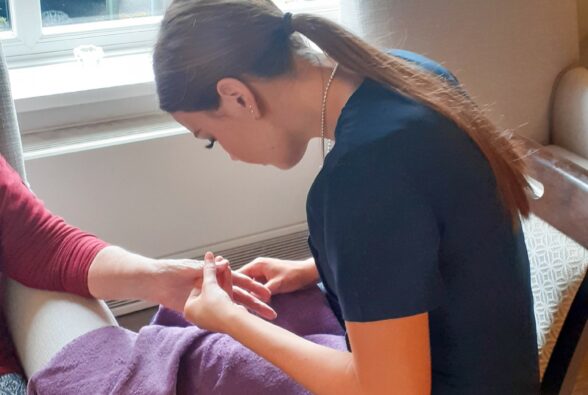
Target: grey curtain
(10, 143)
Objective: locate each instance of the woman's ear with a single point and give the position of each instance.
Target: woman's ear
(236, 98)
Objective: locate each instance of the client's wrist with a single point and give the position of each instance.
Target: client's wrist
(160, 279)
(148, 273)
(118, 274)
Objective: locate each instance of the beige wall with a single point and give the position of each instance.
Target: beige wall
(507, 53)
(583, 27)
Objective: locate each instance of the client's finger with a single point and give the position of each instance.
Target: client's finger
(250, 285)
(253, 304)
(196, 291)
(221, 263)
(227, 282)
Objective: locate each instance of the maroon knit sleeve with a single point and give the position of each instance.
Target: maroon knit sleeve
(38, 248)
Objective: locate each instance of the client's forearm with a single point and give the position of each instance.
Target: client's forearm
(119, 274)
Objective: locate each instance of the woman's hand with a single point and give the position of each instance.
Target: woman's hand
(176, 279)
(209, 305)
(173, 279)
(281, 276)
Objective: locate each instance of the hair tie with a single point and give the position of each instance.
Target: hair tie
(287, 21)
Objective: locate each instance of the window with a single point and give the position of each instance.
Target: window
(42, 31)
(39, 36)
(59, 12)
(36, 31)
(4, 16)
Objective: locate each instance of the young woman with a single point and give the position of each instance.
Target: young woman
(414, 216)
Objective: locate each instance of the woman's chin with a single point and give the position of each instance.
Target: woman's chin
(289, 163)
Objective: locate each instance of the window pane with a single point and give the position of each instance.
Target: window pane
(64, 12)
(4, 16)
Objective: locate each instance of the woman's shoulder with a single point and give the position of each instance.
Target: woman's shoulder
(402, 132)
(425, 63)
(381, 119)
(376, 111)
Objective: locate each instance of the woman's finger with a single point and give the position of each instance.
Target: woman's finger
(253, 269)
(253, 304)
(252, 286)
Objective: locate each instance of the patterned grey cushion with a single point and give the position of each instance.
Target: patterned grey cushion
(10, 143)
(12, 384)
(558, 266)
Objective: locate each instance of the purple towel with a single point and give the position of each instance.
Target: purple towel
(172, 356)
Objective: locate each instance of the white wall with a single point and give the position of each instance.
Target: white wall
(170, 196)
(506, 52)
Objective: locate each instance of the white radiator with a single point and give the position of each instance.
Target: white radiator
(292, 246)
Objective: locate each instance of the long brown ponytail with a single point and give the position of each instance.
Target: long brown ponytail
(203, 41)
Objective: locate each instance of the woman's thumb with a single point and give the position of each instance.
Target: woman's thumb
(209, 270)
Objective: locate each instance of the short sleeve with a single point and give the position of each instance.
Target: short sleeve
(426, 64)
(381, 239)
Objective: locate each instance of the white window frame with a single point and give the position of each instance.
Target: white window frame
(30, 43)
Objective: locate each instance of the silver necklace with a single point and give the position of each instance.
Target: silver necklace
(324, 112)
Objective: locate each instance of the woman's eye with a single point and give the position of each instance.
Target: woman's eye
(210, 144)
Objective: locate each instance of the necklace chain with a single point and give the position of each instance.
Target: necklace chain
(324, 112)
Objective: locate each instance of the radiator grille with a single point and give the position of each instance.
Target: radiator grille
(292, 246)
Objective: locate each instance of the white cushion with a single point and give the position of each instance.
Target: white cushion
(42, 322)
(558, 266)
(570, 112)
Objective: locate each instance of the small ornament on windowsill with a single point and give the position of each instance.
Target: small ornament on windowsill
(88, 56)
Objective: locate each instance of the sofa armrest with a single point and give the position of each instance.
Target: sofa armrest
(42, 322)
(561, 152)
(565, 202)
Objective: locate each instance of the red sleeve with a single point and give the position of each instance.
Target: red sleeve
(38, 248)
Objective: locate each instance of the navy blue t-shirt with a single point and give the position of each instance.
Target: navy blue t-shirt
(405, 218)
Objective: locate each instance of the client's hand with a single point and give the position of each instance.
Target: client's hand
(176, 278)
(119, 274)
(210, 305)
(281, 276)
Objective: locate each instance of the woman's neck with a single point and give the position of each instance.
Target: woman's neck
(298, 100)
(344, 84)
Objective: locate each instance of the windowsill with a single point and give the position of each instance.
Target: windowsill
(70, 83)
(106, 134)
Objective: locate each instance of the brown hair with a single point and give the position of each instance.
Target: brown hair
(203, 41)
